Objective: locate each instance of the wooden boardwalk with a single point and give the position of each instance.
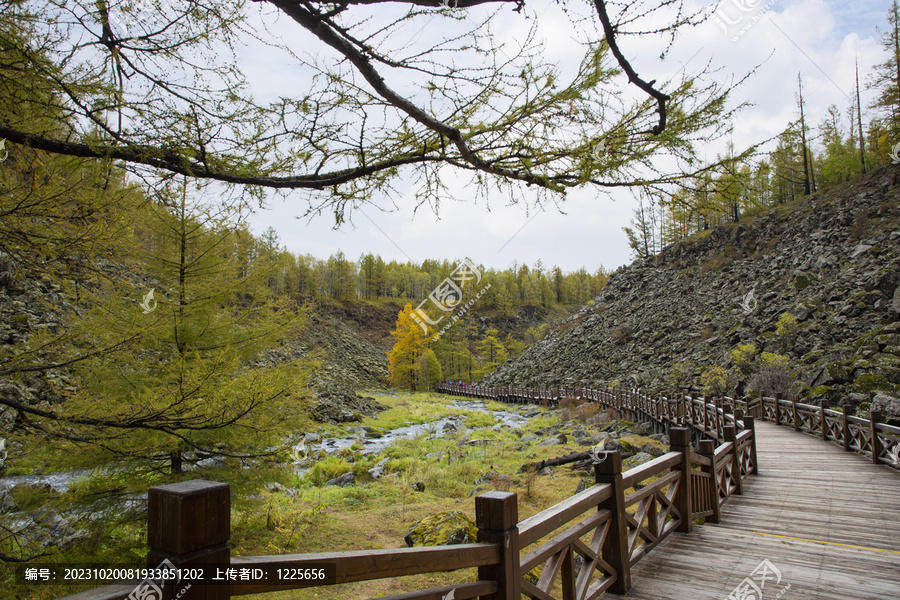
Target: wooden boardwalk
(828, 520)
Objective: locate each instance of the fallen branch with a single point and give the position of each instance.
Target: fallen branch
(562, 460)
(553, 462)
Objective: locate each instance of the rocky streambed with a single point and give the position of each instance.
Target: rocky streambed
(368, 440)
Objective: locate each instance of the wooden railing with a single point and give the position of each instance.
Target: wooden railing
(708, 416)
(871, 437)
(610, 529)
(705, 414)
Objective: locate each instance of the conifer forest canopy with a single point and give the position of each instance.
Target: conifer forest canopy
(372, 95)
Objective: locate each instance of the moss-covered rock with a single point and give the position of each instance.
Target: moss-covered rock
(442, 529)
(630, 444)
(870, 382)
(801, 282)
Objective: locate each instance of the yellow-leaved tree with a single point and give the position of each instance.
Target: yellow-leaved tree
(411, 342)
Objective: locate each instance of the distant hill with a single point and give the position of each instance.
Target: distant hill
(832, 260)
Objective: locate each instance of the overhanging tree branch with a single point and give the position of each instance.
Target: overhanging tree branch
(633, 77)
(349, 134)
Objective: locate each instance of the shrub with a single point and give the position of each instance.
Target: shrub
(774, 374)
(742, 357)
(681, 375)
(786, 330)
(567, 408)
(621, 333)
(715, 380)
(585, 412)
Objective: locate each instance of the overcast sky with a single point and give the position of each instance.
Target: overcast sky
(820, 39)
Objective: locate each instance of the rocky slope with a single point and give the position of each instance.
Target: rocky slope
(832, 260)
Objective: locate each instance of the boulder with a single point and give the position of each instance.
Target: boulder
(442, 529)
(494, 478)
(555, 440)
(7, 504)
(652, 450)
(335, 405)
(583, 484)
(627, 445)
(888, 405)
(378, 470)
(638, 459)
(275, 488)
(600, 437)
(345, 480)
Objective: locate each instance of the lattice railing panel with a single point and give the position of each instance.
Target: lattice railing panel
(834, 427)
(860, 438)
(651, 522)
(587, 577)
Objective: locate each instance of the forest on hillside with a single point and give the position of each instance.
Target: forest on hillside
(371, 278)
(850, 141)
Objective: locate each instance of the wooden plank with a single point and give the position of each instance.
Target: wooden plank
(107, 592)
(700, 459)
(807, 489)
(497, 516)
(722, 450)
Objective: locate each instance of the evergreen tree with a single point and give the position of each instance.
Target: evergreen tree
(185, 381)
(430, 371)
(886, 77)
(490, 351)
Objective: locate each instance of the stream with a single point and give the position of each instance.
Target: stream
(444, 425)
(60, 482)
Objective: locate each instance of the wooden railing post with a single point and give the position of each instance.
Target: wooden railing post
(729, 433)
(762, 407)
(717, 404)
(681, 442)
(497, 518)
(845, 428)
(615, 546)
(750, 424)
(189, 523)
(707, 448)
(705, 413)
(874, 418)
(738, 416)
(794, 415)
(777, 408)
(823, 424)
